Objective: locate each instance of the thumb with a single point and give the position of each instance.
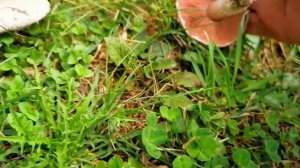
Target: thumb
(256, 26)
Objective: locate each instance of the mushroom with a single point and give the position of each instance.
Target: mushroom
(212, 20)
(16, 14)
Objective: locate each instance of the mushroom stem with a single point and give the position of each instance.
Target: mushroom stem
(221, 9)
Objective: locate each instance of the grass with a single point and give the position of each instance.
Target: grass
(120, 84)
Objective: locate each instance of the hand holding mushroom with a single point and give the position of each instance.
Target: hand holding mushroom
(218, 20)
(279, 19)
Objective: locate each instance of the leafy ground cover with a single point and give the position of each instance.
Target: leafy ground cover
(119, 84)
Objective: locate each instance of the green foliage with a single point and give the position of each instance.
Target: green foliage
(183, 161)
(202, 145)
(153, 135)
(243, 159)
(115, 162)
(175, 118)
(204, 148)
(120, 52)
(177, 100)
(28, 110)
(271, 147)
(186, 79)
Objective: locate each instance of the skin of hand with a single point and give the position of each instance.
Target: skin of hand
(278, 19)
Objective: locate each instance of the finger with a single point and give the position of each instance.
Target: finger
(254, 6)
(260, 5)
(255, 25)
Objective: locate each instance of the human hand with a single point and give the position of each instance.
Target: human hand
(279, 19)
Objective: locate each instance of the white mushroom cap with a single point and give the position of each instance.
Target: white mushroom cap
(16, 14)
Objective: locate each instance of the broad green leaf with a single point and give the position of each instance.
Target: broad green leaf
(115, 162)
(218, 161)
(34, 134)
(276, 98)
(20, 123)
(31, 61)
(258, 84)
(181, 101)
(35, 29)
(57, 76)
(220, 123)
(219, 115)
(179, 125)
(138, 24)
(155, 135)
(73, 59)
(272, 120)
(271, 147)
(241, 157)
(259, 131)
(194, 131)
(192, 128)
(132, 163)
(192, 57)
(17, 84)
(147, 71)
(83, 71)
(79, 29)
(101, 164)
(251, 165)
(205, 148)
(205, 116)
(183, 161)
(248, 133)
(153, 151)
(296, 150)
(172, 115)
(119, 51)
(203, 132)
(186, 79)
(157, 50)
(233, 127)
(7, 65)
(27, 109)
(192, 149)
(204, 156)
(210, 147)
(290, 81)
(293, 138)
(242, 97)
(164, 111)
(163, 63)
(151, 119)
(7, 39)
(87, 59)
(99, 30)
